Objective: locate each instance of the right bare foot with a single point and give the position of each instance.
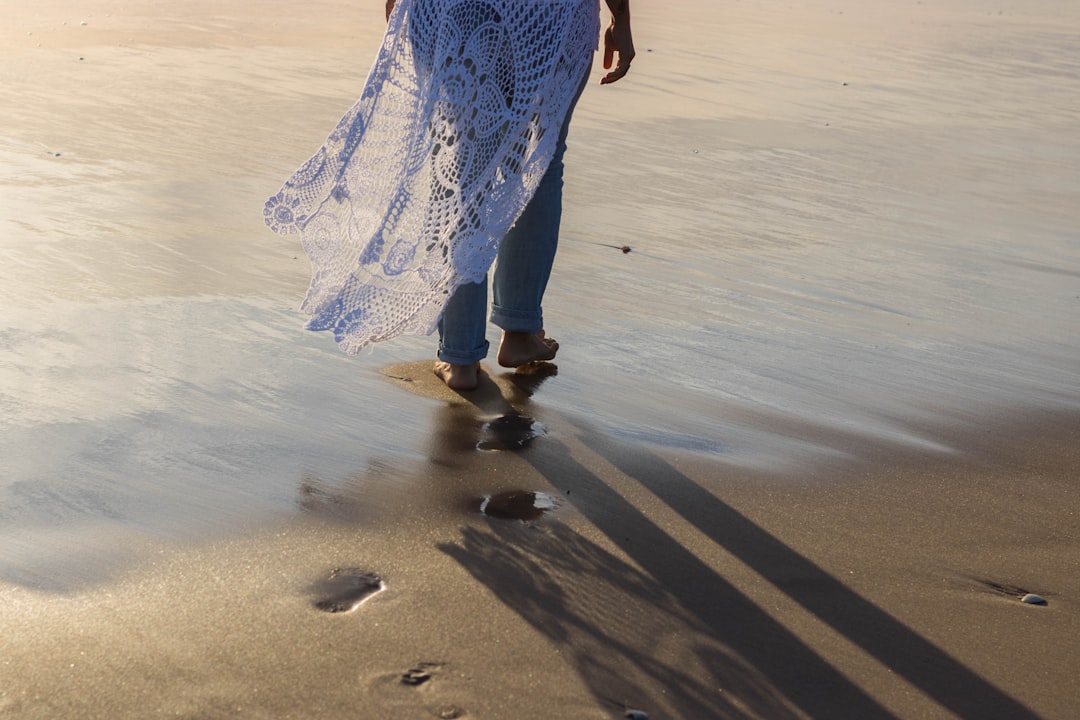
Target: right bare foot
(521, 348)
(458, 377)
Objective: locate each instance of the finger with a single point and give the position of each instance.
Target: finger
(609, 48)
(617, 74)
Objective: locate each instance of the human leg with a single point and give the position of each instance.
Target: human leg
(521, 274)
(523, 265)
(462, 330)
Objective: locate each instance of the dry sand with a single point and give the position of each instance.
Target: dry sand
(807, 444)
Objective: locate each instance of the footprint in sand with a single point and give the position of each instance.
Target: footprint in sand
(525, 505)
(420, 674)
(509, 432)
(346, 589)
(416, 676)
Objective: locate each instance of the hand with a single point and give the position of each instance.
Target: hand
(618, 40)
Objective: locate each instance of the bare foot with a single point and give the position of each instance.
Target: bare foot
(522, 348)
(458, 377)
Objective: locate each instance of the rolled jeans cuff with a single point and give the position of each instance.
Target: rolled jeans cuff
(517, 320)
(463, 357)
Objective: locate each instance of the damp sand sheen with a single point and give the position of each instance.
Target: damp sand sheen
(809, 450)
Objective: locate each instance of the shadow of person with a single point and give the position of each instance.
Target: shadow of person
(911, 656)
(629, 637)
(644, 619)
(560, 583)
(673, 637)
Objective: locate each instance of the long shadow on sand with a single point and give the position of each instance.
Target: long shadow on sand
(631, 640)
(676, 636)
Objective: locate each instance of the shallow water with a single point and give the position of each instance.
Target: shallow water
(806, 255)
(892, 239)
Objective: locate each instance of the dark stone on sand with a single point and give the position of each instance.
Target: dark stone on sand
(346, 589)
(625, 249)
(509, 432)
(420, 674)
(523, 505)
(415, 677)
(1033, 599)
(636, 715)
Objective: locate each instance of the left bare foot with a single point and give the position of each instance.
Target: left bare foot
(458, 377)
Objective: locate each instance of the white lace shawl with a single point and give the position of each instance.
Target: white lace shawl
(414, 189)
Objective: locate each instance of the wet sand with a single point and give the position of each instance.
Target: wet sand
(805, 447)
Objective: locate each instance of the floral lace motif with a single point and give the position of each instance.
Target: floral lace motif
(416, 186)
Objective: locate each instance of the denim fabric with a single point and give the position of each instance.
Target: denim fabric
(522, 269)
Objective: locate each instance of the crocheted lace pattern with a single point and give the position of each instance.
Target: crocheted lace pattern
(414, 189)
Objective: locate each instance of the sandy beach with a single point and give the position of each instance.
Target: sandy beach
(805, 452)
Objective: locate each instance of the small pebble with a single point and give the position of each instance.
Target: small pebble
(83, 23)
(636, 715)
(56, 154)
(1033, 599)
(625, 249)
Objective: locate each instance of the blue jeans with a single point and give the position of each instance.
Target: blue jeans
(522, 269)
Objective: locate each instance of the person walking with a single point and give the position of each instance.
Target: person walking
(451, 160)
